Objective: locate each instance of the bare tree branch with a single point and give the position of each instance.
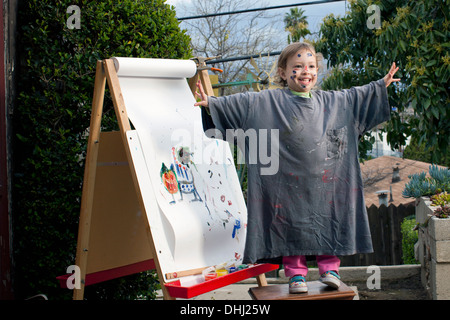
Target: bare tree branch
(232, 35)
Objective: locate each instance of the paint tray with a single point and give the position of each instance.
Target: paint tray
(176, 290)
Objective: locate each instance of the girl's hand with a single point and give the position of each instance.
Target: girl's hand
(202, 95)
(389, 78)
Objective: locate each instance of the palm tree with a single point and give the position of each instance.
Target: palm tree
(296, 24)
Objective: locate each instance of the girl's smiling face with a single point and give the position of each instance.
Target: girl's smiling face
(301, 71)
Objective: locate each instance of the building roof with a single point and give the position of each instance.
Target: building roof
(377, 175)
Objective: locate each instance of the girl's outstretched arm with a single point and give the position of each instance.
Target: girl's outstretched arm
(202, 95)
(389, 78)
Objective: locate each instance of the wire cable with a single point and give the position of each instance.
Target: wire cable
(258, 9)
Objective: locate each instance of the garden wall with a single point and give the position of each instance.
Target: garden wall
(433, 250)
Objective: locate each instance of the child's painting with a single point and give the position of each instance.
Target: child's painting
(202, 217)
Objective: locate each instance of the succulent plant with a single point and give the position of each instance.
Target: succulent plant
(442, 212)
(437, 186)
(440, 199)
(420, 185)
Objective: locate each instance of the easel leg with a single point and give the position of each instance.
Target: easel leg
(89, 178)
(203, 76)
(193, 83)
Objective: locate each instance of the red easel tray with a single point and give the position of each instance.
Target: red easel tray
(177, 291)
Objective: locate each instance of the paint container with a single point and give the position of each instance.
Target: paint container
(242, 266)
(210, 275)
(221, 272)
(231, 269)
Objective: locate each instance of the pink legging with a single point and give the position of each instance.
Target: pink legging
(295, 265)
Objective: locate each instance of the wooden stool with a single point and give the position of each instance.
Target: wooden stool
(316, 291)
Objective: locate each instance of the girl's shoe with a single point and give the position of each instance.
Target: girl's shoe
(297, 284)
(331, 278)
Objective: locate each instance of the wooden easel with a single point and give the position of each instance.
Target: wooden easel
(114, 237)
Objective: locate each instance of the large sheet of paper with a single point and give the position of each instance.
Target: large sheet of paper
(188, 182)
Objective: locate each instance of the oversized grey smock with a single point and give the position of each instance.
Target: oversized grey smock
(314, 203)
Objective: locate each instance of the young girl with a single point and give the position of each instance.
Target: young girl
(314, 203)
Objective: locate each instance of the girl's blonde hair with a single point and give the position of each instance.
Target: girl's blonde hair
(291, 50)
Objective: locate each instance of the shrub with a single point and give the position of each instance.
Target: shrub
(409, 239)
(51, 118)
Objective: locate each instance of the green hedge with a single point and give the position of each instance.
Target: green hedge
(51, 117)
(409, 239)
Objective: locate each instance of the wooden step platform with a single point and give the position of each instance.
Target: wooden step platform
(316, 291)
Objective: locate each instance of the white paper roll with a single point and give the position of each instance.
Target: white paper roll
(188, 233)
(156, 68)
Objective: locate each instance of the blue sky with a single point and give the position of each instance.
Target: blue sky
(315, 13)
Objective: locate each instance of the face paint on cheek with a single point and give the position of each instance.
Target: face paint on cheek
(299, 55)
(294, 73)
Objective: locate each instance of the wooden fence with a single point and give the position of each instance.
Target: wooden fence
(386, 236)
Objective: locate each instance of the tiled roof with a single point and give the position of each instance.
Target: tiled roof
(377, 175)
